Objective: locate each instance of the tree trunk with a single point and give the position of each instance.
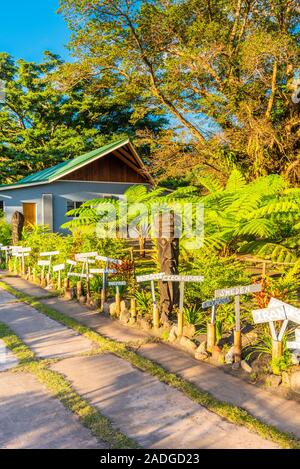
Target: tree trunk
(17, 223)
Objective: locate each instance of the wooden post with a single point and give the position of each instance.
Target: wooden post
(211, 336)
(180, 312)
(237, 346)
(79, 289)
(276, 349)
(88, 289)
(103, 299)
(118, 302)
(59, 280)
(133, 309)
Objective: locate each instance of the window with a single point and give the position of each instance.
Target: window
(71, 205)
(1, 206)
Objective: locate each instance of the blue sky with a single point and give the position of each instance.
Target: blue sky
(28, 27)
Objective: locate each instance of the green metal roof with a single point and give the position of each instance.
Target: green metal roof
(59, 170)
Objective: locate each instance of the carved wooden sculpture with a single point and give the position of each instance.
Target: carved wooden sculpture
(17, 223)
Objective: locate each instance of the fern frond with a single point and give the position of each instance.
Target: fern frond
(236, 181)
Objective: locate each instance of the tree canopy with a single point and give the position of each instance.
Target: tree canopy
(42, 123)
(224, 72)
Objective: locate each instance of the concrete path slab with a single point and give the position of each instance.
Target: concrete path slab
(24, 286)
(7, 359)
(6, 297)
(32, 419)
(45, 337)
(154, 414)
(274, 410)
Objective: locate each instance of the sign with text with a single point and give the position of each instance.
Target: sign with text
(50, 254)
(150, 277)
(117, 284)
(183, 278)
(215, 302)
(292, 313)
(108, 260)
(103, 271)
(276, 313)
(75, 274)
(85, 255)
(70, 262)
(239, 290)
(59, 267)
(43, 263)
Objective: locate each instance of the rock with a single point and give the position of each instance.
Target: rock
(295, 357)
(173, 334)
(217, 355)
(295, 381)
(69, 294)
(82, 300)
(124, 316)
(202, 356)
(246, 367)
(124, 306)
(229, 357)
(187, 344)
(106, 308)
(145, 324)
(165, 321)
(273, 381)
(285, 379)
(189, 330)
(249, 338)
(236, 366)
(112, 309)
(202, 348)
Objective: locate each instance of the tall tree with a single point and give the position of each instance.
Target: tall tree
(223, 70)
(42, 123)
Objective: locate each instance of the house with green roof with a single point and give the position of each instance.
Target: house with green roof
(46, 196)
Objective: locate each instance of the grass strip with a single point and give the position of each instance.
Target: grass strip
(233, 414)
(61, 389)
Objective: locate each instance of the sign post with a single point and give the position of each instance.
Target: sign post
(272, 315)
(50, 254)
(105, 272)
(43, 264)
(86, 259)
(151, 278)
(118, 296)
(237, 292)
(59, 268)
(182, 279)
(211, 327)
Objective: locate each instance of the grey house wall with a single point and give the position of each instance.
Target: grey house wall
(53, 213)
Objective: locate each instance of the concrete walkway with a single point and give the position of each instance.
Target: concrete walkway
(156, 415)
(31, 419)
(7, 359)
(274, 410)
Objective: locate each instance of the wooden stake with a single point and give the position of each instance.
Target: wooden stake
(180, 324)
(211, 336)
(133, 309)
(103, 299)
(237, 346)
(276, 349)
(156, 318)
(118, 302)
(79, 289)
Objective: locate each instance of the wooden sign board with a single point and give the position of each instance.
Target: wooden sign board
(70, 262)
(57, 268)
(292, 313)
(43, 263)
(49, 254)
(215, 302)
(25, 250)
(103, 271)
(109, 260)
(183, 278)
(75, 274)
(150, 277)
(276, 313)
(239, 290)
(85, 255)
(23, 254)
(117, 284)
(293, 345)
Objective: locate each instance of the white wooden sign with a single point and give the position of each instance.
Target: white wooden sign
(277, 313)
(183, 278)
(49, 254)
(85, 255)
(59, 267)
(108, 260)
(75, 274)
(43, 263)
(292, 313)
(117, 284)
(22, 254)
(103, 271)
(215, 302)
(70, 262)
(150, 277)
(239, 290)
